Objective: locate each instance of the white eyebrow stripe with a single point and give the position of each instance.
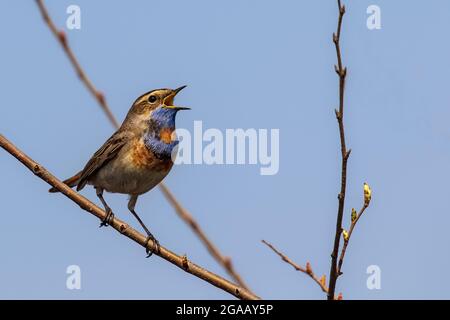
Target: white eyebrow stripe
(145, 97)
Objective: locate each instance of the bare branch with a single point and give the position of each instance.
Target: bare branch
(342, 72)
(61, 37)
(181, 262)
(187, 217)
(225, 262)
(306, 270)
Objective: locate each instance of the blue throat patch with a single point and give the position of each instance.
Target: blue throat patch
(161, 118)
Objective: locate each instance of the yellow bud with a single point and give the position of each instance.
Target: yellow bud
(323, 280)
(354, 215)
(345, 235)
(367, 194)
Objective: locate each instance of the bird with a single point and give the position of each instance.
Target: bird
(137, 157)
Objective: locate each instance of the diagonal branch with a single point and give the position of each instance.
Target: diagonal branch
(347, 238)
(213, 250)
(61, 36)
(225, 262)
(180, 261)
(306, 270)
(342, 72)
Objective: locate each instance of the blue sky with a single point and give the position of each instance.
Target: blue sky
(247, 64)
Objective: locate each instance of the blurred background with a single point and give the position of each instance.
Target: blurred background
(247, 64)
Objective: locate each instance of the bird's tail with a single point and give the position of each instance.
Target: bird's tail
(71, 182)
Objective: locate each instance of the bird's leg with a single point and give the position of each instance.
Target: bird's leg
(131, 205)
(109, 214)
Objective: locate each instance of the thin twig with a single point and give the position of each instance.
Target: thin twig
(306, 270)
(180, 261)
(346, 241)
(225, 262)
(187, 217)
(342, 72)
(61, 36)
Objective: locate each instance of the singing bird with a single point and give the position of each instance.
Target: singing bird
(137, 157)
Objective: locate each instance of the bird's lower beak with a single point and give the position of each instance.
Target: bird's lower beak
(168, 101)
(176, 108)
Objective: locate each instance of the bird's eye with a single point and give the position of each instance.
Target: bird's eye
(152, 99)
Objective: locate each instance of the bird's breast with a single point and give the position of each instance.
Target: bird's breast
(136, 170)
(166, 134)
(142, 157)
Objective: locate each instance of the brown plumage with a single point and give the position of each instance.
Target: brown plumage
(137, 156)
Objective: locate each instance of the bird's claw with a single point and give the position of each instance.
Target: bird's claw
(108, 219)
(155, 246)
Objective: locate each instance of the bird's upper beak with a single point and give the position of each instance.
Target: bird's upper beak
(178, 90)
(168, 100)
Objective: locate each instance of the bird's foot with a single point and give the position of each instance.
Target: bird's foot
(155, 247)
(108, 219)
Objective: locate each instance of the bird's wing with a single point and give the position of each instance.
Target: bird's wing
(103, 155)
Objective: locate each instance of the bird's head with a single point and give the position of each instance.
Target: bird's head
(155, 106)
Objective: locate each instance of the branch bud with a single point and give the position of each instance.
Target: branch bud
(62, 37)
(345, 235)
(354, 215)
(308, 268)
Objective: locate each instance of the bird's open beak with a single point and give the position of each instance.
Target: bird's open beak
(168, 101)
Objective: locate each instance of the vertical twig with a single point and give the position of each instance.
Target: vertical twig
(342, 72)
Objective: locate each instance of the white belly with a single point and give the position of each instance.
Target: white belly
(127, 179)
